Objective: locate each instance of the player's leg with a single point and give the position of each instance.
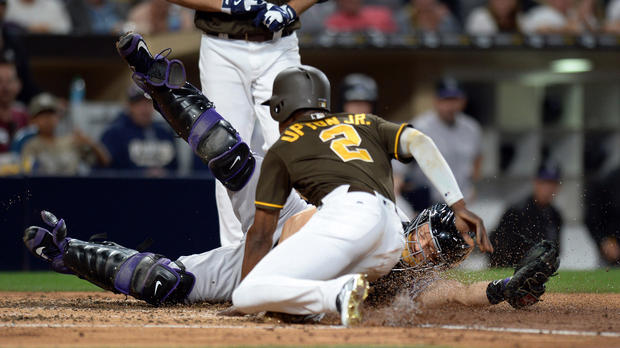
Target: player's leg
(189, 113)
(145, 276)
(217, 273)
(276, 57)
(224, 80)
(307, 272)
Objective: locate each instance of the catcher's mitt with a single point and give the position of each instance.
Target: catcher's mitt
(528, 282)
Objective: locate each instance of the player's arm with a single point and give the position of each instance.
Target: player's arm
(442, 292)
(259, 238)
(431, 161)
(272, 191)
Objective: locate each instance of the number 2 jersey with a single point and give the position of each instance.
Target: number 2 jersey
(320, 152)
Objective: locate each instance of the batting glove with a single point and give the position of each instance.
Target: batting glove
(242, 6)
(275, 17)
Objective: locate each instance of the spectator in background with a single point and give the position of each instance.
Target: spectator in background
(354, 16)
(313, 19)
(498, 16)
(46, 153)
(359, 94)
(12, 117)
(135, 142)
(458, 137)
(12, 50)
(426, 16)
(603, 215)
(95, 16)
(612, 15)
(561, 17)
(529, 221)
(39, 16)
(158, 16)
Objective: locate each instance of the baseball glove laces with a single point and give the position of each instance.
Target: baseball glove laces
(527, 284)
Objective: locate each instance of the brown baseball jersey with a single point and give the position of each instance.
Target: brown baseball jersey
(320, 152)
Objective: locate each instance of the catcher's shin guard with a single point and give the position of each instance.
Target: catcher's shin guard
(193, 117)
(145, 276)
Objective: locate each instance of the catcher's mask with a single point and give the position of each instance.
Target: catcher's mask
(433, 241)
(302, 87)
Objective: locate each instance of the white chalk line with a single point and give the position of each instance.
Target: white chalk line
(320, 327)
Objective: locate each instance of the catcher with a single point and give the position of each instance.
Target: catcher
(154, 278)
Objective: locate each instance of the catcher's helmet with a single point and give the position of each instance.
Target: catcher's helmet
(359, 87)
(296, 88)
(433, 241)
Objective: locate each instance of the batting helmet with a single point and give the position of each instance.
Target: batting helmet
(359, 87)
(433, 241)
(296, 88)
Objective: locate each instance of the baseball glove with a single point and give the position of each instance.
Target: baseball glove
(528, 282)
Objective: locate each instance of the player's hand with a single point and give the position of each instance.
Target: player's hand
(275, 17)
(467, 221)
(242, 6)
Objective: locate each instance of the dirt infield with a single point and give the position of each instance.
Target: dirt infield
(104, 319)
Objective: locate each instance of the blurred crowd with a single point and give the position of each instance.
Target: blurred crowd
(37, 137)
(80, 17)
(475, 17)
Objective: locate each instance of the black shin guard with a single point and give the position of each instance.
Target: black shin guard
(145, 276)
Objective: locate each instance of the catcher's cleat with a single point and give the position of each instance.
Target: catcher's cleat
(156, 70)
(46, 245)
(350, 299)
(527, 284)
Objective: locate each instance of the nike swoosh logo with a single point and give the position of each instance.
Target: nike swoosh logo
(157, 285)
(39, 251)
(143, 45)
(234, 162)
(237, 2)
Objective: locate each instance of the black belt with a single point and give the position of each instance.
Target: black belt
(254, 37)
(354, 188)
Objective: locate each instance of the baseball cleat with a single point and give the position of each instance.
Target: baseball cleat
(157, 70)
(350, 299)
(46, 245)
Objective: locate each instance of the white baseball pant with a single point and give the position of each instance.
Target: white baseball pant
(238, 76)
(218, 271)
(351, 233)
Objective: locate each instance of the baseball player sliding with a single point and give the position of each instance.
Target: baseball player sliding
(212, 276)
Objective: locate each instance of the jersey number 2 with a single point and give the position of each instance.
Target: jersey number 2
(340, 145)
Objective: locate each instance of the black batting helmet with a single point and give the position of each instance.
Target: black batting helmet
(302, 87)
(359, 87)
(445, 246)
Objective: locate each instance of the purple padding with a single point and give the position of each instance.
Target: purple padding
(32, 243)
(134, 42)
(202, 125)
(122, 282)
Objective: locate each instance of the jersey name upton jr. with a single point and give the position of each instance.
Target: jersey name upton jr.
(322, 151)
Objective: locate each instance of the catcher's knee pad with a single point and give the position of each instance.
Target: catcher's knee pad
(145, 276)
(193, 117)
(218, 143)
